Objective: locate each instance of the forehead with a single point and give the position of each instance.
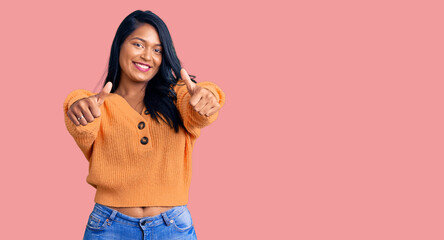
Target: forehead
(146, 32)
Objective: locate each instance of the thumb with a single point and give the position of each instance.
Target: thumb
(190, 85)
(104, 93)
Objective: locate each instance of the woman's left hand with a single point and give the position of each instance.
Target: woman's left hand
(203, 100)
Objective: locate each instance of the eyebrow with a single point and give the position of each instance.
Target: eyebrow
(143, 40)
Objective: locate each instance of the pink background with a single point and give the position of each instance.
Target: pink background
(332, 127)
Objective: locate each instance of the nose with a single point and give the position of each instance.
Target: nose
(146, 55)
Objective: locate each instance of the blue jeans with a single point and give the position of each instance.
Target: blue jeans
(108, 224)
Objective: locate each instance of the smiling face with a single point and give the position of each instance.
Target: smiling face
(140, 55)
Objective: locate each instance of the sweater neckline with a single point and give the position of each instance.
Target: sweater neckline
(128, 106)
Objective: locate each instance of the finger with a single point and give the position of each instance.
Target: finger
(87, 115)
(210, 103)
(206, 108)
(201, 104)
(213, 110)
(73, 118)
(83, 111)
(190, 85)
(78, 114)
(195, 98)
(200, 92)
(94, 109)
(104, 93)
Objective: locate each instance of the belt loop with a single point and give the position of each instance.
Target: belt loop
(166, 219)
(112, 216)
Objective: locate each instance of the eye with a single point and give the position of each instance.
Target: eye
(135, 44)
(158, 50)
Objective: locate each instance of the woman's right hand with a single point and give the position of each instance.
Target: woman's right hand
(88, 107)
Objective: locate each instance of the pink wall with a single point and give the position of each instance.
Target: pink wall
(332, 127)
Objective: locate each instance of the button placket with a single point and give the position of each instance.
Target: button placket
(140, 118)
(144, 139)
(144, 134)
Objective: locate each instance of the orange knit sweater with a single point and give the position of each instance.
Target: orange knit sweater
(129, 172)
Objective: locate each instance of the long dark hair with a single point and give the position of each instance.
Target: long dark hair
(159, 95)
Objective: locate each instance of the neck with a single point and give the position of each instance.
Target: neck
(132, 90)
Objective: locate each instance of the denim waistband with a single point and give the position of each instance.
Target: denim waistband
(115, 215)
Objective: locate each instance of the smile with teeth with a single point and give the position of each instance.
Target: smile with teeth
(142, 66)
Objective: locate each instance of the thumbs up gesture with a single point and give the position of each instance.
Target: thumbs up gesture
(203, 100)
(85, 110)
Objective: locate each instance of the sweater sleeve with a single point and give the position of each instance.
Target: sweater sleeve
(84, 136)
(193, 121)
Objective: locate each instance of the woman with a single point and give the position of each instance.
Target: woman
(138, 133)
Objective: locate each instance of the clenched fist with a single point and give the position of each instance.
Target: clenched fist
(85, 110)
(203, 100)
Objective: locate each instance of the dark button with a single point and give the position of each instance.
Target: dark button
(144, 140)
(146, 112)
(145, 222)
(141, 125)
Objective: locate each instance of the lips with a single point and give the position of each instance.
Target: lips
(142, 67)
(143, 64)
